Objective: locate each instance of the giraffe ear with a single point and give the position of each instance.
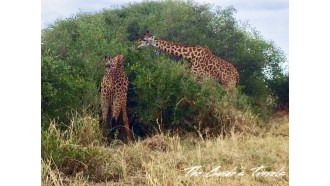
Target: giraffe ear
(148, 33)
(121, 57)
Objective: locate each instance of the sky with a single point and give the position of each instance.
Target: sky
(269, 17)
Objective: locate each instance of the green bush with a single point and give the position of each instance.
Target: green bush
(280, 89)
(169, 97)
(161, 88)
(63, 88)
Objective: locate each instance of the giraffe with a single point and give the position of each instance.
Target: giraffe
(113, 95)
(203, 61)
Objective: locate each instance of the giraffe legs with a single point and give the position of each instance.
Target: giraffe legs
(126, 125)
(105, 103)
(117, 107)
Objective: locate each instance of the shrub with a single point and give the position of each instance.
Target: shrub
(280, 89)
(170, 98)
(160, 87)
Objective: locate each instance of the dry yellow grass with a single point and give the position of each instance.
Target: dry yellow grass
(163, 160)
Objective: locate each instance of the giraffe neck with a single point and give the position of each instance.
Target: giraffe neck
(176, 49)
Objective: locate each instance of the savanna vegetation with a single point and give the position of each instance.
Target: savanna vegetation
(177, 121)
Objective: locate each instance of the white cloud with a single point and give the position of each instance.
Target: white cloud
(269, 17)
(249, 4)
(272, 24)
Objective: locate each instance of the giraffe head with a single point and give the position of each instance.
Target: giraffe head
(107, 62)
(113, 62)
(117, 60)
(145, 40)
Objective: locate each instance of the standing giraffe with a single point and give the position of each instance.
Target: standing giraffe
(113, 95)
(204, 62)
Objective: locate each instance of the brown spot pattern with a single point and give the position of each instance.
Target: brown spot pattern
(113, 97)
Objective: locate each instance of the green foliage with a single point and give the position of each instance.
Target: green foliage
(63, 88)
(169, 97)
(161, 89)
(280, 89)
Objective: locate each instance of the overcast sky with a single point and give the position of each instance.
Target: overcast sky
(269, 17)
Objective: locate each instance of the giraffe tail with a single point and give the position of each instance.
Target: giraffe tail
(237, 79)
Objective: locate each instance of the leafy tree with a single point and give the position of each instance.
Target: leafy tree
(160, 87)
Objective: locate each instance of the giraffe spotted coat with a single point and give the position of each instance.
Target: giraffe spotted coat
(203, 61)
(113, 96)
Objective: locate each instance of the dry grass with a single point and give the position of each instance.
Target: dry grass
(162, 160)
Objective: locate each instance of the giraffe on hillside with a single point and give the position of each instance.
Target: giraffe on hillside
(113, 94)
(203, 61)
